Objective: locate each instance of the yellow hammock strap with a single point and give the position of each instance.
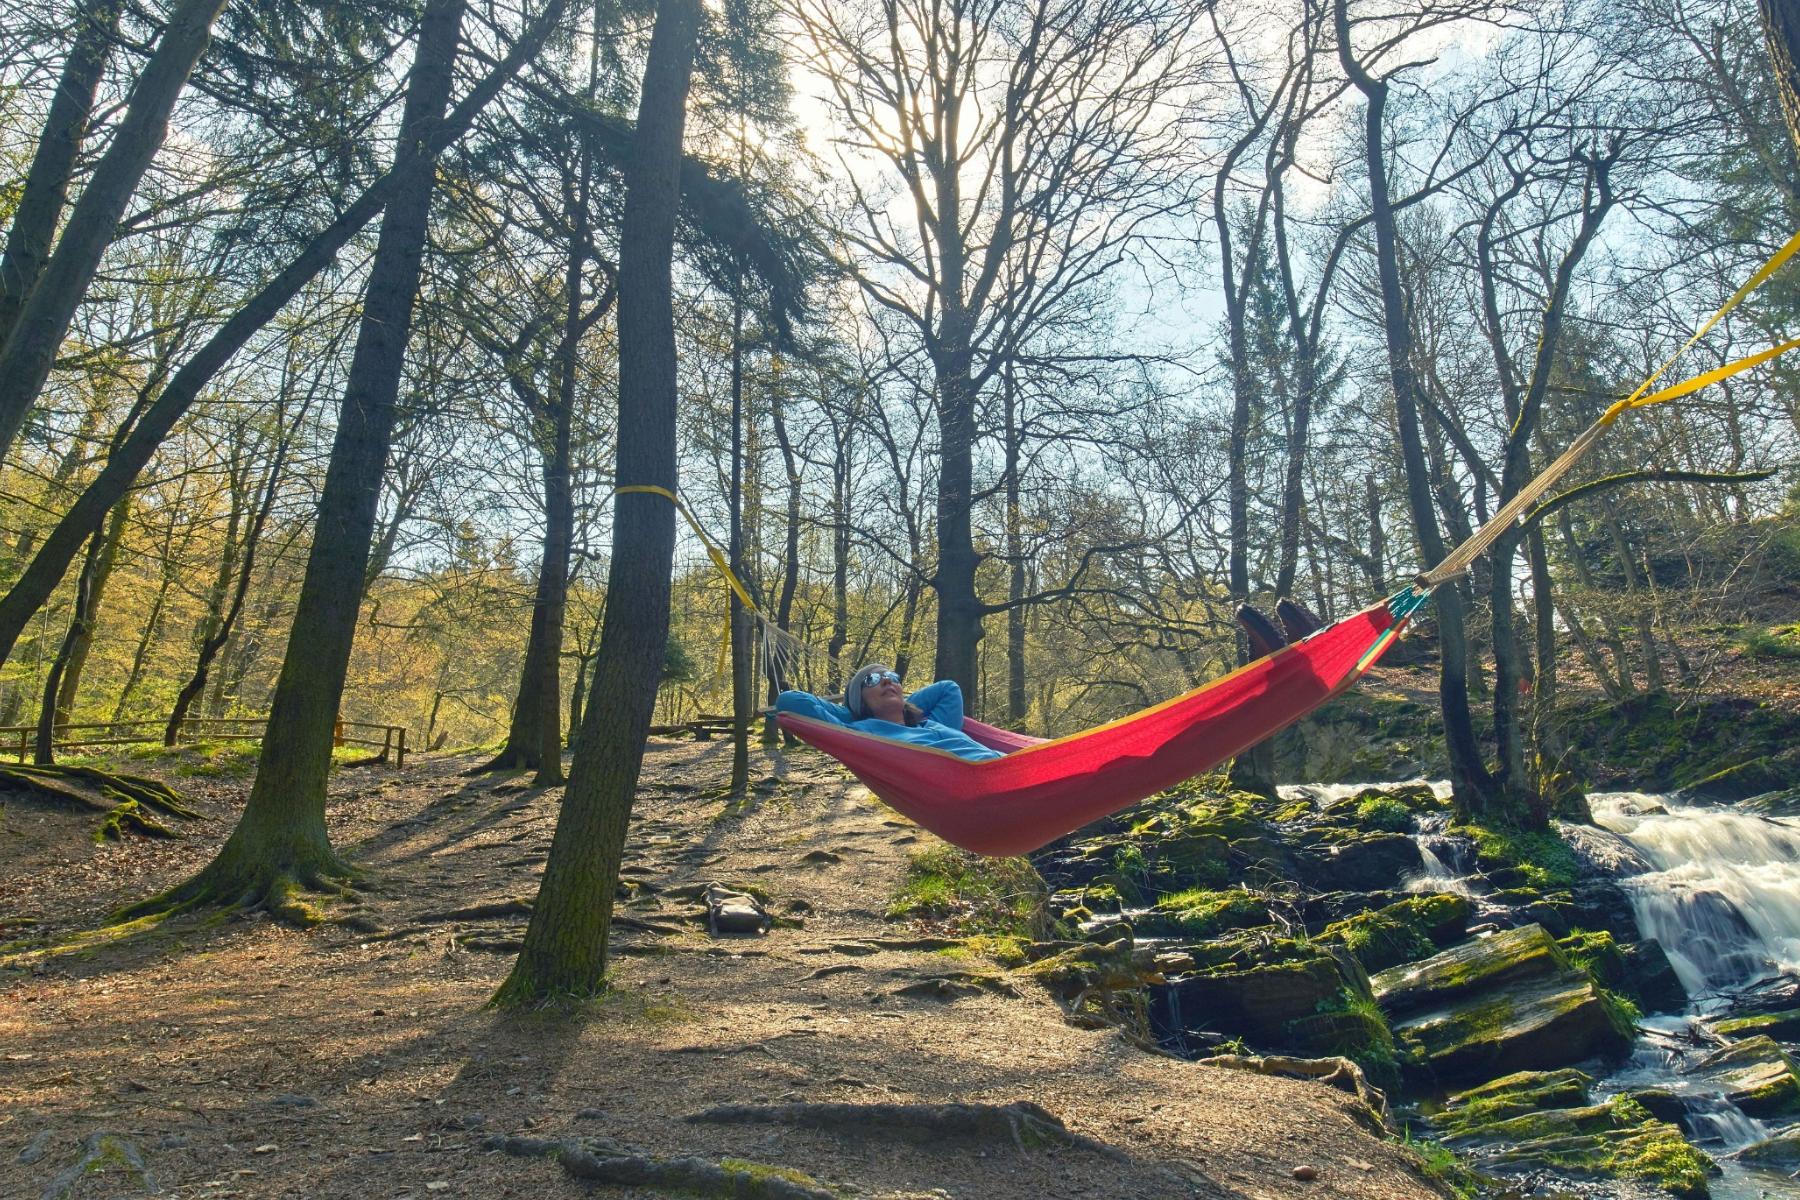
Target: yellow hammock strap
(717, 555)
(1458, 560)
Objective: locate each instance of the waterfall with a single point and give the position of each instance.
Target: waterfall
(1724, 895)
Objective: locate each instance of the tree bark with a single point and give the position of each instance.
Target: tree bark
(742, 700)
(281, 839)
(43, 320)
(1474, 788)
(81, 632)
(564, 955)
(46, 188)
(1781, 34)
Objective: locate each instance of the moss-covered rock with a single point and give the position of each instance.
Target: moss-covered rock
(1779, 1153)
(1402, 932)
(1471, 967)
(1259, 1000)
(1755, 1074)
(1616, 1140)
(1783, 1026)
(1362, 862)
(1201, 913)
(1467, 1113)
(1510, 1000)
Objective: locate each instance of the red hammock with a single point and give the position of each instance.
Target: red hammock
(1041, 790)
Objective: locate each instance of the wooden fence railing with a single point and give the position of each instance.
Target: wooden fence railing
(20, 739)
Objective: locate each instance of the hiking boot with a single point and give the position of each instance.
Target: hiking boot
(1265, 639)
(1298, 620)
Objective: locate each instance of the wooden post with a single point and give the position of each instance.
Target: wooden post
(387, 743)
(400, 760)
(337, 733)
(21, 745)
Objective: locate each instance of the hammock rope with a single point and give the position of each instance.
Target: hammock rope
(1458, 560)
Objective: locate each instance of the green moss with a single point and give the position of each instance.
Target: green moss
(971, 894)
(1439, 1164)
(1780, 642)
(1007, 951)
(1541, 857)
(1378, 940)
(1384, 813)
(1201, 913)
(763, 1171)
(1784, 1025)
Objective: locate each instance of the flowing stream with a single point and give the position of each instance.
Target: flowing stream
(1720, 890)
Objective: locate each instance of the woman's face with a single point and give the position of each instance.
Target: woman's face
(884, 698)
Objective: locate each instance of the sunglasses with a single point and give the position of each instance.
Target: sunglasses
(880, 677)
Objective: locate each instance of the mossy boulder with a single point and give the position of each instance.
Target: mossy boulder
(1472, 967)
(1259, 1001)
(1468, 1113)
(1783, 1026)
(1741, 781)
(1616, 1140)
(1201, 913)
(1755, 1074)
(1362, 862)
(1639, 971)
(1509, 1000)
(1779, 1153)
(1403, 932)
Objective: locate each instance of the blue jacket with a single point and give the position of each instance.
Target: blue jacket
(941, 702)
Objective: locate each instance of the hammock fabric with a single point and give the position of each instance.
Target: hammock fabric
(1042, 790)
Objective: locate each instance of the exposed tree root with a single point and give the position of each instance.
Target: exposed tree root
(600, 1162)
(1024, 1123)
(285, 893)
(136, 802)
(1340, 1073)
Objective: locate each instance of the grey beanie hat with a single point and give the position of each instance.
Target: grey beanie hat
(853, 691)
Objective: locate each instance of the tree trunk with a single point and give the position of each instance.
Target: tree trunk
(281, 840)
(564, 955)
(959, 607)
(46, 188)
(742, 701)
(44, 747)
(1474, 789)
(44, 318)
(81, 632)
(1015, 558)
(46, 569)
(1781, 34)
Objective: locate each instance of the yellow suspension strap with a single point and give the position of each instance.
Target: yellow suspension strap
(1458, 560)
(779, 645)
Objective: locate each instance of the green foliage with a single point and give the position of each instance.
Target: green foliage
(1384, 813)
(972, 895)
(1776, 642)
(1439, 1164)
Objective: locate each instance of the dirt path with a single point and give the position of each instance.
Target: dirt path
(243, 1058)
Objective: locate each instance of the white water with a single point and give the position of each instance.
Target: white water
(1724, 898)
(1438, 875)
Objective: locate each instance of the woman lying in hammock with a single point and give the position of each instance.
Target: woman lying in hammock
(875, 703)
(933, 716)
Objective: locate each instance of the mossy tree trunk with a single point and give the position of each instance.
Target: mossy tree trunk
(281, 842)
(1781, 33)
(565, 946)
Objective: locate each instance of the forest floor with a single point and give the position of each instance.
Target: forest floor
(245, 1058)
